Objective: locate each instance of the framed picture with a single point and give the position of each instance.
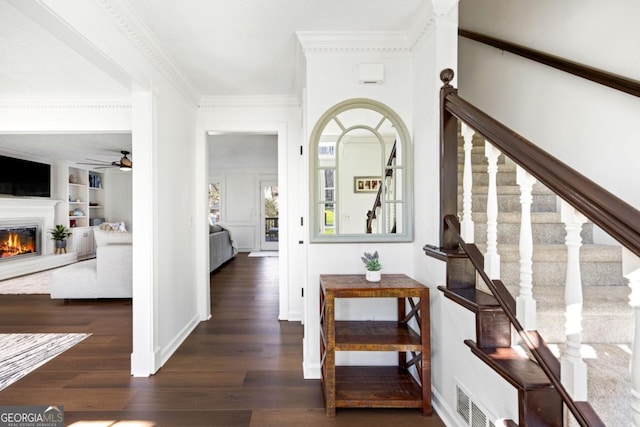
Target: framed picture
(366, 184)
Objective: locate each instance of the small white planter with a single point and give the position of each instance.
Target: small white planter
(373, 276)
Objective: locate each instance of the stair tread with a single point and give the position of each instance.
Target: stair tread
(513, 365)
(472, 298)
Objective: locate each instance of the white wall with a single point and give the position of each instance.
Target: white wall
(572, 118)
(119, 197)
(332, 77)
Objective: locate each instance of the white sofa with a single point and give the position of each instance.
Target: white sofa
(109, 275)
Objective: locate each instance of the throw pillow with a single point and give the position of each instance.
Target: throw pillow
(104, 238)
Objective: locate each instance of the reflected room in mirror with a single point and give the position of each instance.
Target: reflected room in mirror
(360, 183)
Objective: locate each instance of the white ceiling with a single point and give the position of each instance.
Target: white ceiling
(35, 65)
(223, 47)
(249, 47)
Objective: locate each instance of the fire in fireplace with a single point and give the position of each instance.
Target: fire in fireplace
(18, 241)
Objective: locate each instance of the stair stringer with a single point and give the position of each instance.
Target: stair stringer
(537, 401)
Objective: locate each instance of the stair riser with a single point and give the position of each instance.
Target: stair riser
(555, 273)
(477, 158)
(596, 328)
(511, 203)
(482, 178)
(542, 233)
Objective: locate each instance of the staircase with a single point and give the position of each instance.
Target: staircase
(607, 317)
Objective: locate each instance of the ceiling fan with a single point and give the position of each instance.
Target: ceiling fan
(124, 164)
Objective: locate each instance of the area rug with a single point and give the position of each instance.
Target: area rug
(264, 254)
(22, 353)
(37, 283)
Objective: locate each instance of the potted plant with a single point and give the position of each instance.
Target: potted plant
(373, 266)
(59, 235)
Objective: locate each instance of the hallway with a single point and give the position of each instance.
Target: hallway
(241, 368)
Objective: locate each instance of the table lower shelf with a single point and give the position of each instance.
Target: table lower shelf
(376, 387)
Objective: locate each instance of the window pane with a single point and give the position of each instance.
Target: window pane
(328, 221)
(214, 202)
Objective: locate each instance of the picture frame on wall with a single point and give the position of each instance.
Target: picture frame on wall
(366, 184)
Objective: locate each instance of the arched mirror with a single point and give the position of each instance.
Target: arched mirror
(361, 183)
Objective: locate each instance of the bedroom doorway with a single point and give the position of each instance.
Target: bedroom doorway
(269, 216)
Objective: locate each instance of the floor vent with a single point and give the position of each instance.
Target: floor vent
(471, 413)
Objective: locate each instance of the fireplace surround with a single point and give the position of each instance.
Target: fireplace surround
(21, 211)
(20, 238)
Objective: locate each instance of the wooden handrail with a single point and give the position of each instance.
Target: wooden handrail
(371, 215)
(615, 81)
(613, 215)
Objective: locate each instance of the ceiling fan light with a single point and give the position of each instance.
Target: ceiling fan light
(125, 168)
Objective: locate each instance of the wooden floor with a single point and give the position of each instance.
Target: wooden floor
(241, 368)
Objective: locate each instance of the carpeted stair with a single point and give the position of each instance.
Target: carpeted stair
(607, 317)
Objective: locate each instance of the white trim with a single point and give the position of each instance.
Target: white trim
(274, 101)
(353, 41)
(66, 104)
(131, 25)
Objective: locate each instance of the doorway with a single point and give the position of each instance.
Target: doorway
(269, 226)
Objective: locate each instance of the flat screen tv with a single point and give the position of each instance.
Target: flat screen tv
(25, 178)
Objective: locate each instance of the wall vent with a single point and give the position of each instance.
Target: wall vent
(471, 413)
(463, 405)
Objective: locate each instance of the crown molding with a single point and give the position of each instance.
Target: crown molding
(378, 41)
(353, 41)
(422, 24)
(271, 101)
(131, 25)
(66, 104)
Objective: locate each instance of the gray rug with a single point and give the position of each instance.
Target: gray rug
(22, 353)
(37, 283)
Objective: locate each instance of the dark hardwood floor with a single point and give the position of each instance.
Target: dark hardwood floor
(241, 368)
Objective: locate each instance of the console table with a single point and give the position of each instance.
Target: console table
(376, 386)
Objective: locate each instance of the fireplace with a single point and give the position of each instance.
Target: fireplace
(19, 240)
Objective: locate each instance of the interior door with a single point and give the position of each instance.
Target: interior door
(269, 216)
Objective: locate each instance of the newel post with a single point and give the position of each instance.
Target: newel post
(448, 161)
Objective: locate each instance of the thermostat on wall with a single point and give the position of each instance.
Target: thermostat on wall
(371, 73)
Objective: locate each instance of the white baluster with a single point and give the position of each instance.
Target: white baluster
(631, 270)
(492, 259)
(574, 369)
(526, 305)
(466, 225)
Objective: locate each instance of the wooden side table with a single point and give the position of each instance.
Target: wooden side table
(376, 386)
